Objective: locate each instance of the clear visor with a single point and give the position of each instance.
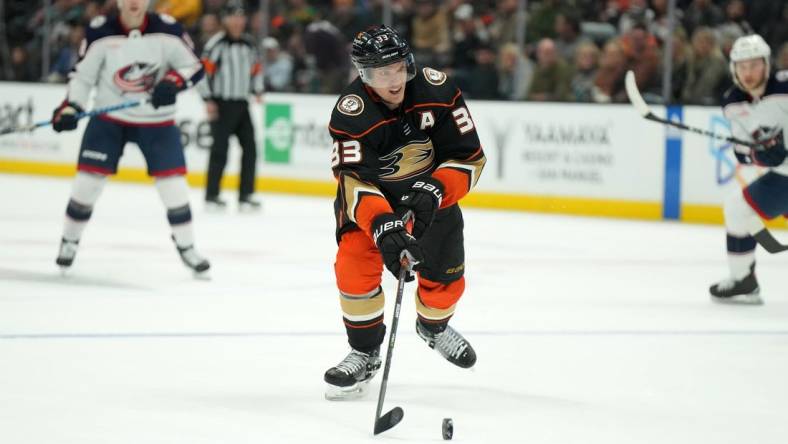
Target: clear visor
(390, 76)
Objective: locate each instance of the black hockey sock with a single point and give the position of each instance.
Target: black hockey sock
(434, 327)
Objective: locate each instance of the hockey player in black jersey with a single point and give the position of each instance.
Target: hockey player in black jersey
(403, 140)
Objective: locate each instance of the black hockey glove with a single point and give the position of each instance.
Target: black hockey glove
(423, 200)
(166, 90)
(392, 239)
(771, 151)
(64, 118)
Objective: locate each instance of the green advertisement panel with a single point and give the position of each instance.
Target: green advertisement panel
(278, 132)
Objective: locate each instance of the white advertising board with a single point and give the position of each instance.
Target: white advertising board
(544, 149)
(572, 150)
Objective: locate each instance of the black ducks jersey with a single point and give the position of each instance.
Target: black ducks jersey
(378, 153)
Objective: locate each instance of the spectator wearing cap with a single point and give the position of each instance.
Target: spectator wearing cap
(233, 72)
(279, 66)
(707, 75)
(469, 35)
(553, 76)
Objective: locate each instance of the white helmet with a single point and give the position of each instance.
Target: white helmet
(747, 48)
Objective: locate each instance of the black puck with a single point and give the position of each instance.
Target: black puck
(448, 428)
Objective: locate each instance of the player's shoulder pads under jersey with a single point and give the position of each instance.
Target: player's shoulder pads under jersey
(778, 84)
(355, 114)
(433, 86)
(734, 95)
(101, 26)
(164, 24)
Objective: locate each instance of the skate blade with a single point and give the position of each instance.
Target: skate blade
(202, 275)
(356, 391)
(65, 270)
(740, 299)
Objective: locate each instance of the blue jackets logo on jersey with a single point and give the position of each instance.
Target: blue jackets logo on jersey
(137, 77)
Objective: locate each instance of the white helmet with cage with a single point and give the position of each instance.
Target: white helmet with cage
(747, 48)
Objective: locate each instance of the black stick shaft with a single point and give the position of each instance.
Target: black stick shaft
(392, 339)
(702, 132)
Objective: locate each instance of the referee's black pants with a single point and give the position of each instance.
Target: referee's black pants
(233, 118)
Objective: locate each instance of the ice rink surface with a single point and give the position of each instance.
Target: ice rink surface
(587, 330)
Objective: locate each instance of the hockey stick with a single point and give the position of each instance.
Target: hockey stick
(769, 243)
(642, 108)
(91, 113)
(395, 415)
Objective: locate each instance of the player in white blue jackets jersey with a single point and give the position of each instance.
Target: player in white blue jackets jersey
(757, 108)
(130, 56)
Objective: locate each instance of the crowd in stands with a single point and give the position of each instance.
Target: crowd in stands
(575, 50)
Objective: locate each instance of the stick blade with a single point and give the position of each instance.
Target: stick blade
(389, 420)
(634, 95)
(769, 243)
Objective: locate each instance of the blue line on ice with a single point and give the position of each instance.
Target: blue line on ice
(263, 334)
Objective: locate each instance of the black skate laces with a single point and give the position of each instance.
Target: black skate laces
(451, 343)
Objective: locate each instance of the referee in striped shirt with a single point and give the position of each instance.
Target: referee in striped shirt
(233, 71)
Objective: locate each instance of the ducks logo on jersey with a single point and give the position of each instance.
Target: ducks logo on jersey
(408, 161)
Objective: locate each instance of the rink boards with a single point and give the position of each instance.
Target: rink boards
(584, 159)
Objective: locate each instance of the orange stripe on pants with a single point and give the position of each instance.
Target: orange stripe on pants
(442, 296)
(358, 265)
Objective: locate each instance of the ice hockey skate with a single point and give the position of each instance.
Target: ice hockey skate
(744, 291)
(66, 254)
(198, 264)
(450, 344)
(350, 378)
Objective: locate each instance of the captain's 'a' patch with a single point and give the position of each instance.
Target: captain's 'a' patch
(434, 76)
(351, 105)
